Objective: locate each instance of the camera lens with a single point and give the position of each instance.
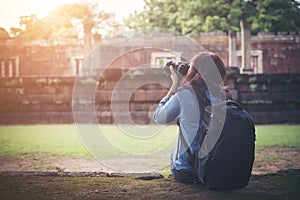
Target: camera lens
(180, 67)
(183, 68)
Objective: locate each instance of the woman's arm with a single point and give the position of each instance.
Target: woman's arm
(167, 111)
(168, 108)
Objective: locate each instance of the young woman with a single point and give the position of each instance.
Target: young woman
(184, 103)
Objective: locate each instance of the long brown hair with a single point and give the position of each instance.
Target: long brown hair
(203, 72)
(202, 65)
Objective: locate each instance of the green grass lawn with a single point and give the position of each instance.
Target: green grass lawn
(63, 140)
(278, 135)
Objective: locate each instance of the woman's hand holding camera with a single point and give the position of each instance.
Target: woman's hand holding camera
(174, 78)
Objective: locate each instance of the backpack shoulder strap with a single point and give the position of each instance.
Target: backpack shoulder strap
(185, 143)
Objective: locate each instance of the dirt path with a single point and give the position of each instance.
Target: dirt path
(268, 160)
(45, 163)
(42, 176)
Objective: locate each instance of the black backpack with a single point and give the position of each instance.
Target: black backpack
(227, 164)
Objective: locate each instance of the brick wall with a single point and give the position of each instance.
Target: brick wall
(273, 98)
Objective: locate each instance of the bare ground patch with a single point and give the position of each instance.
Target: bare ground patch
(46, 162)
(272, 159)
(56, 183)
(268, 160)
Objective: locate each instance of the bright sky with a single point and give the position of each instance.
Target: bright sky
(11, 10)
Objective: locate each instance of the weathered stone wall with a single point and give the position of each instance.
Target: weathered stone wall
(273, 98)
(36, 100)
(270, 98)
(38, 59)
(280, 53)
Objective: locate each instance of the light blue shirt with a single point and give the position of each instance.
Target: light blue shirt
(182, 106)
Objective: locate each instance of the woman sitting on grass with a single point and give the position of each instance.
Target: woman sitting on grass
(181, 105)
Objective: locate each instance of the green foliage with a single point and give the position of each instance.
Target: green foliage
(194, 16)
(189, 17)
(277, 15)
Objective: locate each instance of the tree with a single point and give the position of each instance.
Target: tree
(15, 32)
(156, 13)
(64, 21)
(194, 16)
(31, 28)
(27, 21)
(277, 15)
(3, 34)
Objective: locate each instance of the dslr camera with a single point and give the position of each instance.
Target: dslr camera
(179, 67)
